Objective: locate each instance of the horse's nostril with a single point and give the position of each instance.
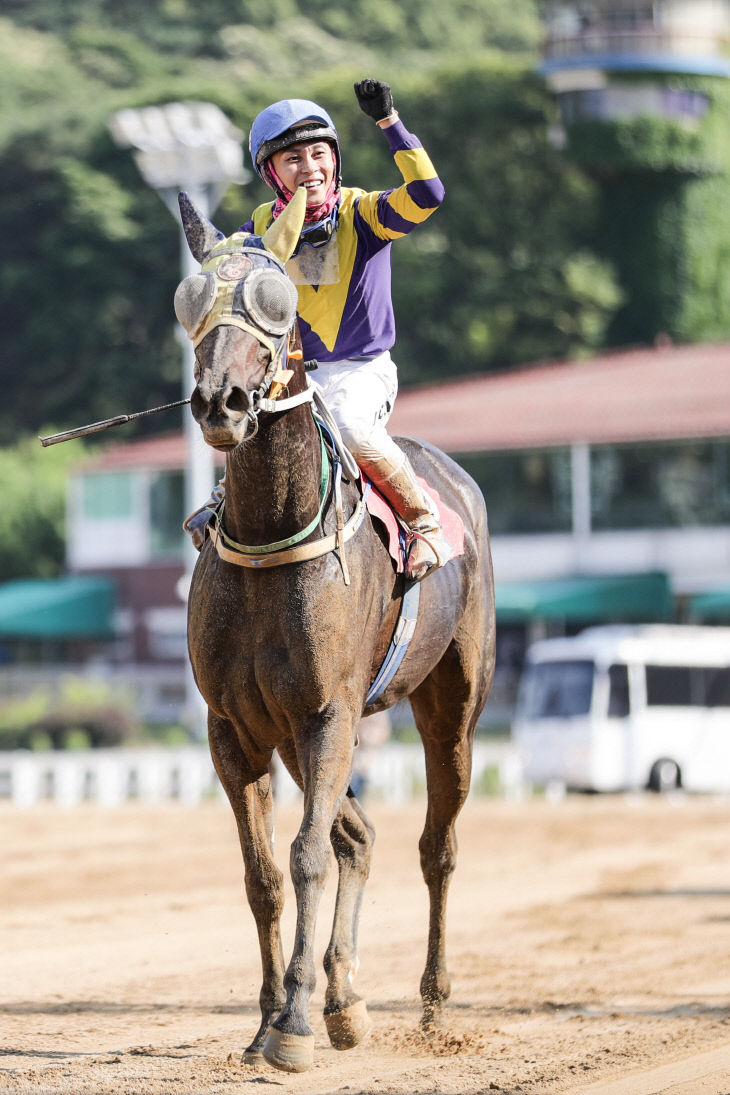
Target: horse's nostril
(198, 405)
(238, 401)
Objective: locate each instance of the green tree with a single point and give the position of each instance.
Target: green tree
(82, 243)
(185, 27)
(663, 216)
(504, 272)
(33, 506)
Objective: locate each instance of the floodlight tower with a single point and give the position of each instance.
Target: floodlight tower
(189, 146)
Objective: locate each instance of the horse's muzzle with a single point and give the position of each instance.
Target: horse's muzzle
(226, 419)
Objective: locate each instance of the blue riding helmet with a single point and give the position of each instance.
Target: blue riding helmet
(287, 122)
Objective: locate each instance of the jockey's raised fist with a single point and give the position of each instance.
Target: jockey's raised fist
(375, 98)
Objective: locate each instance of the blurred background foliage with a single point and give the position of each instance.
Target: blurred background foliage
(33, 500)
(78, 713)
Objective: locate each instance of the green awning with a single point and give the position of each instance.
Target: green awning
(713, 604)
(59, 608)
(586, 599)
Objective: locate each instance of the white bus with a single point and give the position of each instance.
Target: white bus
(621, 708)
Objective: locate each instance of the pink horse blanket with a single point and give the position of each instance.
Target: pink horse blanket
(451, 523)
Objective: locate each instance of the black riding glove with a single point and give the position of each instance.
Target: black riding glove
(375, 99)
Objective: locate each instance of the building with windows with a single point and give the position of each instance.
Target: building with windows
(607, 483)
(609, 59)
(619, 465)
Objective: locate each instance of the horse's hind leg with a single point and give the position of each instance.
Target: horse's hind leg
(345, 1013)
(251, 801)
(446, 707)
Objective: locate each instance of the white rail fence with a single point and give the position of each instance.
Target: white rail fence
(111, 777)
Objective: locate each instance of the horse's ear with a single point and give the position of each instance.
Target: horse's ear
(202, 236)
(282, 237)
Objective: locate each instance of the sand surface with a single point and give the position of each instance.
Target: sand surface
(589, 951)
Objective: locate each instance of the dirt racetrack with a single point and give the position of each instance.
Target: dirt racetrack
(589, 951)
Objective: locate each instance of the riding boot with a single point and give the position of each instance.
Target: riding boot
(197, 523)
(428, 548)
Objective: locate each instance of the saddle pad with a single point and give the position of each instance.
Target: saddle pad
(451, 523)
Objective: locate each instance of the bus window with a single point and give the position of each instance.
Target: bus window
(558, 690)
(673, 686)
(688, 686)
(717, 686)
(618, 693)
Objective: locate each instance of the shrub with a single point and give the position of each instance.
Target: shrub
(80, 714)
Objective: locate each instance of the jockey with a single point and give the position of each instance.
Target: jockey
(341, 269)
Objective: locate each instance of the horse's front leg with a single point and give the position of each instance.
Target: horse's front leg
(352, 837)
(324, 751)
(345, 1013)
(251, 801)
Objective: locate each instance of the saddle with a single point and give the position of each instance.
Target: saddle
(380, 508)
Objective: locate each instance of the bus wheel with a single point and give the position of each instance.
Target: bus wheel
(665, 776)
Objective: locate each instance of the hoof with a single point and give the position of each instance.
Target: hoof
(289, 1052)
(431, 1018)
(348, 1027)
(252, 1056)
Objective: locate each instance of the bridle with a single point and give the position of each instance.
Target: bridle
(234, 290)
(267, 396)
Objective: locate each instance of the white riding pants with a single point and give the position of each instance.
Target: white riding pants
(360, 393)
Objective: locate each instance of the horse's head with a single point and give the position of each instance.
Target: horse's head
(239, 312)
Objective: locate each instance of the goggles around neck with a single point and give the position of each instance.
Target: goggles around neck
(320, 233)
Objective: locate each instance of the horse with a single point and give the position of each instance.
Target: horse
(294, 602)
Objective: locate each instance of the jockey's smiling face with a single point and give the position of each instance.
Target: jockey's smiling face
(308, 163)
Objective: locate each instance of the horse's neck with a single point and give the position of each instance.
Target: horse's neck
(273, 480)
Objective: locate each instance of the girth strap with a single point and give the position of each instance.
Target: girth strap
(404, 631)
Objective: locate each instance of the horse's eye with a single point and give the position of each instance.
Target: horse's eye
(270, 299)
(194, 298)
